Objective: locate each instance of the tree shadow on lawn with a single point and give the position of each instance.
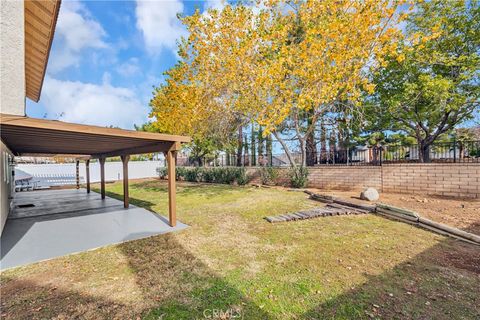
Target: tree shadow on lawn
(440, 283)
(173, 283)
(181, 286)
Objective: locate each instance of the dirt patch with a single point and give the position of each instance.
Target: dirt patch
(460, 213)
(464, 257)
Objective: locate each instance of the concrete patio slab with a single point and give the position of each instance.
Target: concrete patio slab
(63, 222)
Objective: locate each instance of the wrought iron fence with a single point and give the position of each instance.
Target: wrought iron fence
(452, 152)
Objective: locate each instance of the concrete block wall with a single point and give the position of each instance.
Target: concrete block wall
(461, 180)
(452, 180)
(345, 178)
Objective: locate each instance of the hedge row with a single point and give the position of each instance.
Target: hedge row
(230, 175)
(227, 175)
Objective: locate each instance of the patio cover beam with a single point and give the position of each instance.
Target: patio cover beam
(24, 135)
(87, 174)
(77, 173)
(102, 177)
(125, 181)
(172, 189)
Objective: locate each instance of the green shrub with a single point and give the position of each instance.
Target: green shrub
(298, 177)
(227, 175)
(162, 172)
(241, 176)
(269, 175)
(207, 176)
(192, 175)
(180, 173)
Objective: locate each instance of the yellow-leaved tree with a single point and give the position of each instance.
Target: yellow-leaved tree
(281, 64)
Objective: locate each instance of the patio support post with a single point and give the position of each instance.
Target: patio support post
(125, 180)
(77, 173)
(87, 174)
(172, 211)
(102, 177)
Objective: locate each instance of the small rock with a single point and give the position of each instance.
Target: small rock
(390, 294)
(369, 194)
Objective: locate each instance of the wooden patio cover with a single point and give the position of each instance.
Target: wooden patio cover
(29, 136)
(40, 21)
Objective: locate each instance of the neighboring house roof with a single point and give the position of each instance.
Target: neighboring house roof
(361, 148)
(281, 158)
(40, 21)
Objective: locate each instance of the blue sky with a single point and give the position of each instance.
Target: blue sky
(106, 56)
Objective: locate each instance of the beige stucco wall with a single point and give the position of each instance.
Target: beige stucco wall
(12, 62)
(6, 183)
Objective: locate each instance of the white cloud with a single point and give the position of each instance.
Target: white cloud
(214, 4)
(128, 68)
(158, 22)
(76, 30)
(88, 103)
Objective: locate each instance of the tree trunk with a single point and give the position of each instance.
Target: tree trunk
(252, 147)
(303, 149)
(246, 156)
(261, 158)
(311, 147)
(342, 148)
(240, 146)
(323, 144)
(286, 149)
(424, 151)
(332, 146)
(268, 149)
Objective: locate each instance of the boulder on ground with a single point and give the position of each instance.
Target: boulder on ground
(369, 194)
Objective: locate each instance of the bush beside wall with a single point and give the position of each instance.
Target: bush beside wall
(224, 175)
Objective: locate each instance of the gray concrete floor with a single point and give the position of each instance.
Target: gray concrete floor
(68, 221)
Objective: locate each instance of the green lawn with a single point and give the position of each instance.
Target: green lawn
(232, 262)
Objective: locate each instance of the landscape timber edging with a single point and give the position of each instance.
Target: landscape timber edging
(404, 215)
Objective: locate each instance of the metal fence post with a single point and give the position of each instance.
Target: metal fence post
(454, 149)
